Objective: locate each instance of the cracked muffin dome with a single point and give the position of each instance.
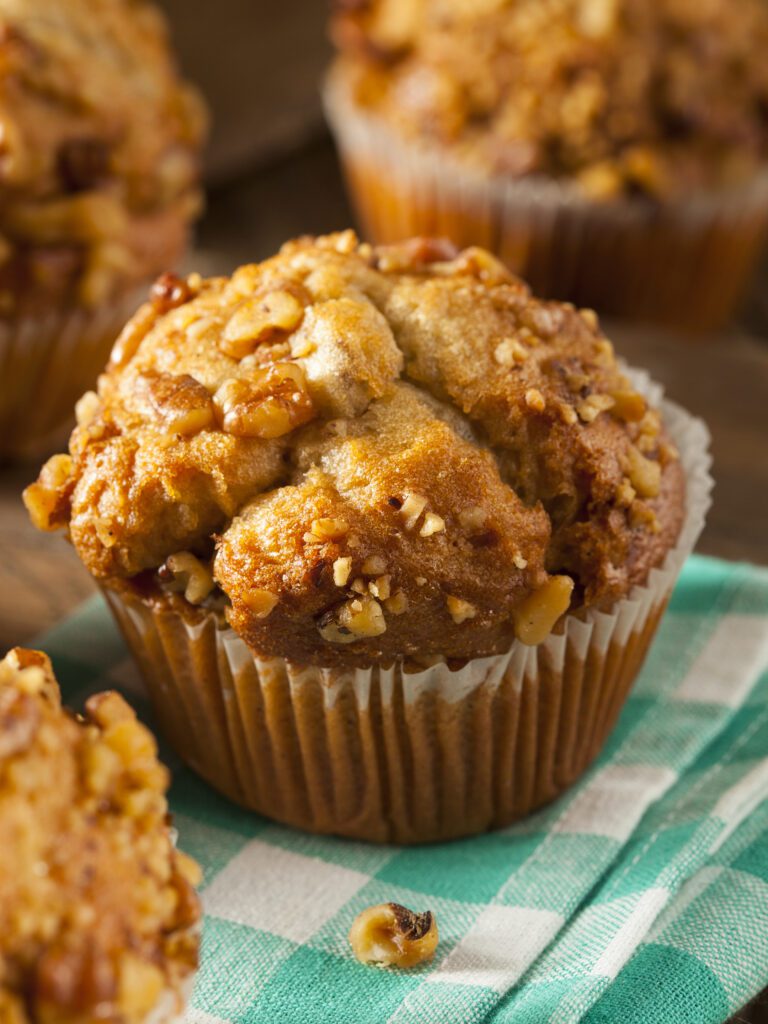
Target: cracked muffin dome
(359, 454)
(622, 96)
(100, 150)
(97, 909)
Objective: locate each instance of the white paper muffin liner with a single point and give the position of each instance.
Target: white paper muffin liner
(684, 263)
(384, 754)
(47, 361)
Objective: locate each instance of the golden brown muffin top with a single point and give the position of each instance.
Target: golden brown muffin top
(622, 96)
(100, 146)
(97, 909)
(385, 452)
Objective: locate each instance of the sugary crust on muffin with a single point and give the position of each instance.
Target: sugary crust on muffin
(374, 453)
(100, 150)
(622, 96)
(97, 908)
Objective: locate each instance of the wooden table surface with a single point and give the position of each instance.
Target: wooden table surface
(724, 380)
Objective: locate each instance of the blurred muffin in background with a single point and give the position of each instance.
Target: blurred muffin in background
(98, 916)
(613, 152)
(99, 164)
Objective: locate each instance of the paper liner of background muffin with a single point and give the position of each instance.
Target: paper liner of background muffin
(684, 263)
(48, 361)
(387, 754)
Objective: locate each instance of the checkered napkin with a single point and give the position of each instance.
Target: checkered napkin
(640, 896)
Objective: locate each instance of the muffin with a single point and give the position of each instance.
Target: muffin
(388, 536)
(98, 187)
(611, 151)
(98, 917)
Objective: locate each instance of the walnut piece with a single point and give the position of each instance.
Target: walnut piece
(537, 615)
(358, 619)
(269, 404)
(257, 319)
(460, 610)
(178, 401)
(184, 571)
(390, 935)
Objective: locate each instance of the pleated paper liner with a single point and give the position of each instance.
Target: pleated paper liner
(686, 263)
(46, 363)
(389, 755)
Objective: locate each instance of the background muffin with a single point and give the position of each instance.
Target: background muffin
(594, 144)
(98, 185)
(97, 909)
(363, 458)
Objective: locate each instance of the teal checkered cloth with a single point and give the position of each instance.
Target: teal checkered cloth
(640, 896)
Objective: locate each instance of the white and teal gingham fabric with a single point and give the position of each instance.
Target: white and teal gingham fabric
(639, 896)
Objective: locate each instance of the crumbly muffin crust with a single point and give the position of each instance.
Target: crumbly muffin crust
(97, 909)
(363, 453)
(620, 96)
(100, 150)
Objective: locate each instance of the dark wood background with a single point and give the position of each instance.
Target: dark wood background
(275, 175)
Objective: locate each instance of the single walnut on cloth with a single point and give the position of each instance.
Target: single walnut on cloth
(395, 476)
(98, 915)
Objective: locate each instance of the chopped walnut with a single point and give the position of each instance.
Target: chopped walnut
(329, 529)
(460, 610)
(186, 572)
(179, 402)
(381, 587)
(589, 316)
(375, 565)
(628, 405)
(45, 497)
(393, 936)
(432, 524)
(644, 474)
(342, 568)
(642, 516)
(357, 619)
(625, 493)
(591, 407)
(568, 414)
(535, 400)
(411, 510)
(397, 603)
(256, 319)
(87, 408)
(170, 291)
(538, 614)
(604, 352)
(261, 603)
(272, 403)
(510, 353)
